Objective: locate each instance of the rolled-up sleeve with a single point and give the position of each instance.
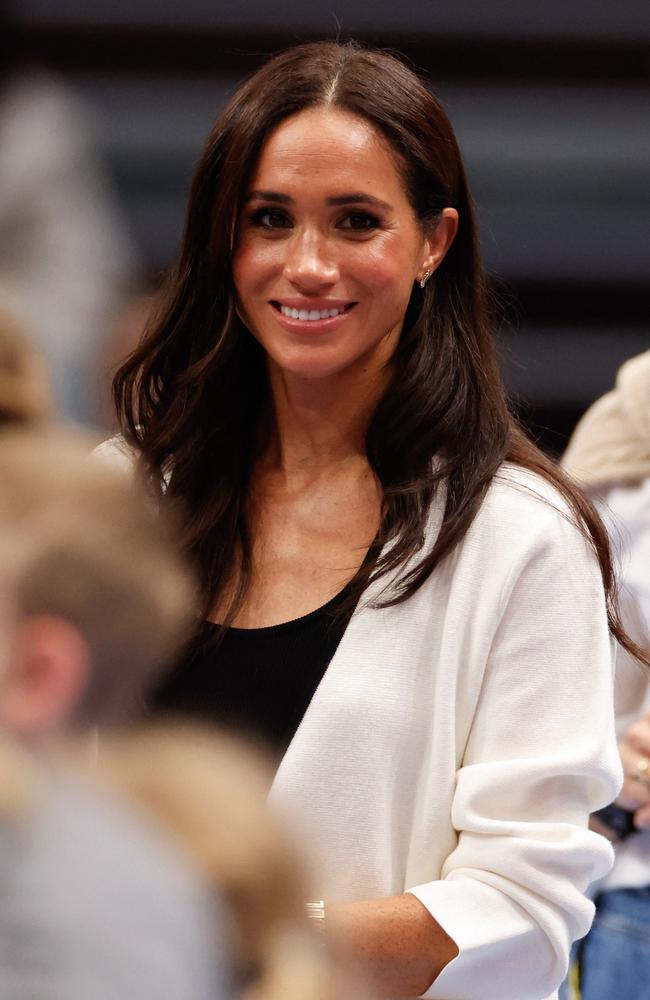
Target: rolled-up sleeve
(541, 756)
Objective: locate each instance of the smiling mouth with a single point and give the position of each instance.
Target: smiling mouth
(307, 315)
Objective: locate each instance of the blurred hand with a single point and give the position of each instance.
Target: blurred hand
(635, 755)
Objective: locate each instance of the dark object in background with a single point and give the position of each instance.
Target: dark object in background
(619, 821)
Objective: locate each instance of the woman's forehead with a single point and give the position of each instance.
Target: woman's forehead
(330, 147)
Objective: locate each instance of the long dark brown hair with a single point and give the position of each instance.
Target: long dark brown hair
(192, 397)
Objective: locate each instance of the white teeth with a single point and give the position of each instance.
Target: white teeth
(311, 314)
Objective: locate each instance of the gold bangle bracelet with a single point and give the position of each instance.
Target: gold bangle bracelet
(316, 912)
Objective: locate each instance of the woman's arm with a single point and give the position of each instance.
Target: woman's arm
(539, 757)
(396, 944)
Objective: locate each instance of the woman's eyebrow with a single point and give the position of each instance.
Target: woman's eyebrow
(281, 199)
(354, 198)
(358, 198)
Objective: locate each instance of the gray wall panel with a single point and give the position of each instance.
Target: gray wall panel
(560, 176)
(551, 104)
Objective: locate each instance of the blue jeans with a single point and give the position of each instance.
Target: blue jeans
(615, 955)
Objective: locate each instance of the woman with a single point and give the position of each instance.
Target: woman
(406, 617)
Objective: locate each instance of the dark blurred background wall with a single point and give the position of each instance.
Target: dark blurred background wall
(551, 103)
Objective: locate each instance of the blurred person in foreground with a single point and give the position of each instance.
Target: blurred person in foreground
(94, 903)
(66, 259)
(208, 790)
(609, 454)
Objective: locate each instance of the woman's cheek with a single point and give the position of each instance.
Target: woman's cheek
(388, 280)
(383, 261)
(254, 261)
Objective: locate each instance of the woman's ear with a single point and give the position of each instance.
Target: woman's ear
(438, 241)
(47, 676)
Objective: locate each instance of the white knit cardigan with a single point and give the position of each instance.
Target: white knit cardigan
(458, 742)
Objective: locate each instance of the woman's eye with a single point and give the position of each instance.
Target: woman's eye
(270, 219)
(360, 222)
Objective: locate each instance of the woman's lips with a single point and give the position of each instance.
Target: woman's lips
(291, 317)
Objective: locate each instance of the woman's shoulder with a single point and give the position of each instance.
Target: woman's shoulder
(526, 525)
(117, 453)
(525, 505)
(523, 490)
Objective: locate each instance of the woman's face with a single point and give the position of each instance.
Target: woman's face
(328, 246)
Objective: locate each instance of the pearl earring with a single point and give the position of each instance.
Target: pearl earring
(425, 277)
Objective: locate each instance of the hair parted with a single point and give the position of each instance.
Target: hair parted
(193, 396)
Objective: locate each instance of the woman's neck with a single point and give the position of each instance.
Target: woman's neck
(320, 423)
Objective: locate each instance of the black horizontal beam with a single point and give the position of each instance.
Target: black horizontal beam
(118, 49)
(573, 304)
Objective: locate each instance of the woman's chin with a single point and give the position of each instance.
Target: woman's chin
(311, 368)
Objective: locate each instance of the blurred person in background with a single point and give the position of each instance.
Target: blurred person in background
(609, 454)
(94, 903)
(399, 592)
(66, 260)
(25, 391)
(125, 335)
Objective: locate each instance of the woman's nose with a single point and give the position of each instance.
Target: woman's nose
(308, 264)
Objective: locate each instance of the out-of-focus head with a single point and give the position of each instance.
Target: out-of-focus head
(208, 791)
(25, 394)
(93, 597)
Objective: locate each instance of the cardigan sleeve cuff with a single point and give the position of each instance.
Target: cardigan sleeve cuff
(503, 953)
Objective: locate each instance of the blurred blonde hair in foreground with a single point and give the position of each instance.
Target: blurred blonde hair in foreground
(25, 393)
(208, 790)
(79, 541)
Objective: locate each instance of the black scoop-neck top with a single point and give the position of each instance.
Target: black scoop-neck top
(257, 681)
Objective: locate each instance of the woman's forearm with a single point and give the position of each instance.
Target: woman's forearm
(395, 942)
